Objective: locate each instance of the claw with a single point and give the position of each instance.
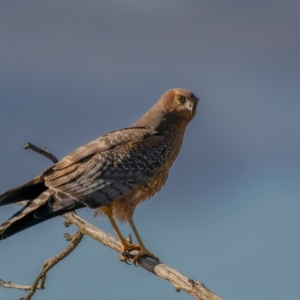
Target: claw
(126, 248)
(127, 263)
(124, 259)
(144, 252)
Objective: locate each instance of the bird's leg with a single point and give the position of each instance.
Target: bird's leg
(143, 250)
(125, 246)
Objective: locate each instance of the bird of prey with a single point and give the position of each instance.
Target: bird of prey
(112, 174)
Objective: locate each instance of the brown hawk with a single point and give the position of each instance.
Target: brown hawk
(111, 174)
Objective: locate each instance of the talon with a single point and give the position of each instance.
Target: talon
(144, 252)
(126, 248)
(124, 259)
(127, 263)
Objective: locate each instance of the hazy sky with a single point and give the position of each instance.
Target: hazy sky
(228, 216)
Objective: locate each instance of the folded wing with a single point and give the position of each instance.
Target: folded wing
(99, 179)
(93, 175)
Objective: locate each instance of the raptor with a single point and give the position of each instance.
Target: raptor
(112, 174)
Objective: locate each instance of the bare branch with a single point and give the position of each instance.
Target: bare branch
(11, 285)
(44, 152)
(39, 282)
(180, 282)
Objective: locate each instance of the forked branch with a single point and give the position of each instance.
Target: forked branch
(39, 282)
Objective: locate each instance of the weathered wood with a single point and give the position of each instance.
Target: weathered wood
(180, 281)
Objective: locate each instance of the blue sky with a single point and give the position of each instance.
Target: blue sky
(228, 216)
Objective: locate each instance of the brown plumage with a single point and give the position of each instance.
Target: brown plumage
(112, 174)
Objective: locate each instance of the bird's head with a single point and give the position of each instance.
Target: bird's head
(174, 110)
(180, 102)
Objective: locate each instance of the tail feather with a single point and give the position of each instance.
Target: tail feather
(37, 211)
(27, 191)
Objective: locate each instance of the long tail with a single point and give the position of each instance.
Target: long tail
(27, 191)
(43, 205)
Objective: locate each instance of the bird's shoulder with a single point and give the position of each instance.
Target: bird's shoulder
(106, 142)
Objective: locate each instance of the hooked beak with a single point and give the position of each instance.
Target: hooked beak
(190, 106)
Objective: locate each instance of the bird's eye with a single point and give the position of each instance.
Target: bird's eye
(181, 99)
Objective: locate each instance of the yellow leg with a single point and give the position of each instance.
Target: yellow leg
(143, 250)
(124, 244)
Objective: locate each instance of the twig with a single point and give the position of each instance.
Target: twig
(39, 282)
(180, 282)
(11, 285)
(44, 152)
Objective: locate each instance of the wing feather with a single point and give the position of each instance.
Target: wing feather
(105, 142)
(107, 175)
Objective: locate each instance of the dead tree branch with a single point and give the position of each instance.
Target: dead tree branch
(181, 282)
(43, 152)
(39, 282)
(11, 285)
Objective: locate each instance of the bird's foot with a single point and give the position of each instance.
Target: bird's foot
(144, 252)
(126, 248)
